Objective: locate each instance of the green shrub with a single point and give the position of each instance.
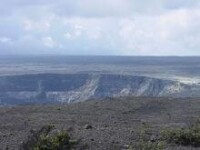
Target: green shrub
(43, 139)
(189, 136)
(57, 142)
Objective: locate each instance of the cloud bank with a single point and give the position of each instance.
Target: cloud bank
(100, 27)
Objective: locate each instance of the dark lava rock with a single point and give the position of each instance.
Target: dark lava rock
(87, 126)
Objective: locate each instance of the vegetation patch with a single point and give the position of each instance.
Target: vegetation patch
(148, 145)
(46, 139)
(147, 141)
(189, 136)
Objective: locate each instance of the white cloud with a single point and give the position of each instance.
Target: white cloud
(128, 27)
(68, 35)
(5, 40)
(166, 34)
(102, 8)
(30, 25)
(49, 42)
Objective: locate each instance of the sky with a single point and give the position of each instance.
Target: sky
(100, 27)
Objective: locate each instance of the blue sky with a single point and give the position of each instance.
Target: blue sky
(100, 27)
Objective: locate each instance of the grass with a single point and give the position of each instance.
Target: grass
(145, 142)
(148, 145)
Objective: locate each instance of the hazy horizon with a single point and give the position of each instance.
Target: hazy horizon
(91, 55)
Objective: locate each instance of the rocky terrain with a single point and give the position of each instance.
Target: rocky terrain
(110, 124)
(69, 88)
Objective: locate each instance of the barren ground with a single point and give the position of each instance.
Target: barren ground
(115, 123)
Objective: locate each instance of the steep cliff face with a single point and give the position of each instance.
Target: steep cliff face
(51, 88)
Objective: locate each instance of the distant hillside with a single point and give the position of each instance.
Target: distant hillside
(69, 88)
